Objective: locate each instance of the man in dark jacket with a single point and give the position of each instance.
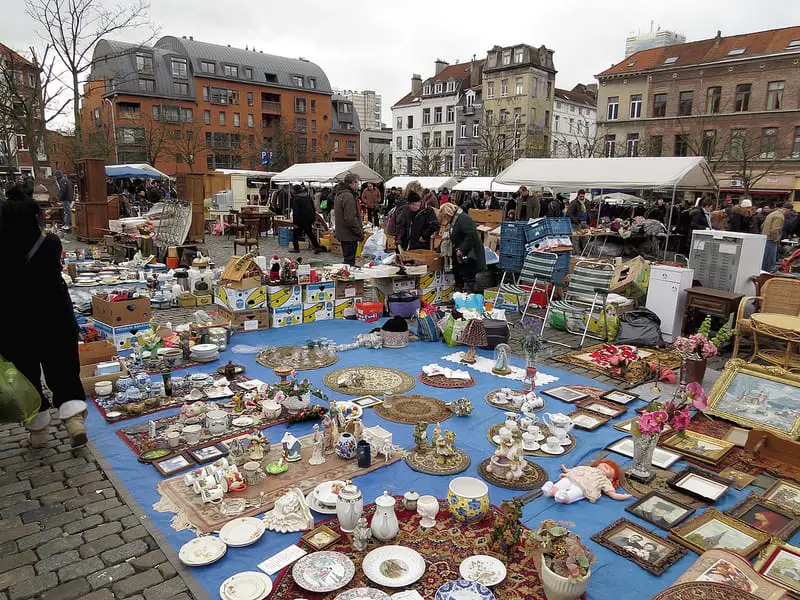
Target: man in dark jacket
(66, 194)
(701, 219)
(469, 257)
(347, 218)
(489, 201)
(578, 211)
(303, 215)
(422, 225)
(555, 208)
(742, 217)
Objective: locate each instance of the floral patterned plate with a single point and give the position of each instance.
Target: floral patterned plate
(202, 551)
(327, 492)
(323, 571)
(249, 585)
(394, 566)
(463, 590)
(486, 570)
(363, 594)
(242, 531)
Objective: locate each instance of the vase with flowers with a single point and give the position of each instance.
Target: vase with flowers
(532, 344)
(293, 394)
(566, 563)
(696, 349)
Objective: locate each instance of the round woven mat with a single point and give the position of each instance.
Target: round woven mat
(495, 430)
(412, 409)
(427, 463)
(533, 477)
(508, 406)
(375, 381)
(441, 381)
(703, 590)
(658, 484)
(300, 358)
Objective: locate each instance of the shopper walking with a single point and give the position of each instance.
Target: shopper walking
(422, 225)
(468, 255)
(38, 323)
(348, 227)
(771, 228)
(371, 199)
(66, 194)
(303, 216)
(742, 217)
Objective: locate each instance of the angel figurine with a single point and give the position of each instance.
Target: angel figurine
(585, 481)
(331, 433)
(318, 453)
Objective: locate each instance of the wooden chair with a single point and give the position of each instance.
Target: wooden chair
(588, 288)
(537, 273)
(778, 295)
(250, 235)
(233, 226)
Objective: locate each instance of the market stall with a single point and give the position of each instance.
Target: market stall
(431, 183)
(484, 184)
(134, 171)
(326, 171)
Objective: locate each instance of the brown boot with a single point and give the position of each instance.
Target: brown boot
(73, 413)
(39, 429)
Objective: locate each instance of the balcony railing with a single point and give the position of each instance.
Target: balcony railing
(269, 106)
(469, 109)
(129, 114)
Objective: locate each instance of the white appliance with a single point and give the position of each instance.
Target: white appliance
(666, 296)
(726, 260)
(222, 200)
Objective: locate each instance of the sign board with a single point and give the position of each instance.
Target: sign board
(266, 157)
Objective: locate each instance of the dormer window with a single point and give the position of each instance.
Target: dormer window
(451, 86)
(517, 56)
(426, 90)
(506, 57)
(793, 44)
(470, 98)
(438, 88)
(297, 81)
(671, 60)
(737, 52)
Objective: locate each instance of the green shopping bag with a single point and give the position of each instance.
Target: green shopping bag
(19, 399)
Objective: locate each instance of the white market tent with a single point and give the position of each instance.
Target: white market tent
(326, 171)
(620, 198)
(482, 184)
(134, 171)
(431, 183)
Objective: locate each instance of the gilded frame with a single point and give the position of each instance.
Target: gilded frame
(753, 500)
(675, 442)
(674, 551)
(682, 532)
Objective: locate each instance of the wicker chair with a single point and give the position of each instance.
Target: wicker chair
(779, 295)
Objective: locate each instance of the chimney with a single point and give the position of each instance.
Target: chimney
(474, 72)
(718, 39)
(439, 65)
(416, 83)
(191, 37)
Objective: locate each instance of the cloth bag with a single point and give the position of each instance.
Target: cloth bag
(19, 399)
(452, 329)
(428, 325)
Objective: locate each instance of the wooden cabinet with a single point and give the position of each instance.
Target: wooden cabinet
(92, 209)
(191, 188)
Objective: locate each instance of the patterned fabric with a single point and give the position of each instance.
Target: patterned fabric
(474, 334)
(635, 373)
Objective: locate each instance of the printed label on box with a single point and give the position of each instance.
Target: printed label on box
(345, 307)
(447, 280)
(240, 299)
(430, 295)
(317, 311)
(123, 337)
(283, 317)
(446, 293)
(430, 279)
(503, 301)
(319, 292)
(284, 295)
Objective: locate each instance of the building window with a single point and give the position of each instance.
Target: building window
(426, 116)
(248, 73)
(144, 63)
(713, 99)
(681, 145)
(410, 122)
(448, 163)
(742, 103)
(297, 81)
(451, 86)
(437, 114)
(207, 117)
(426, 89)
(632, 145)
(506, 57)
(737, 143)
(409, 164)
(351, 147)
(313, 126)
(613, 108)
(535, 87)
(503, 117)
(636, 106)
(556, 121)
(236, 120)
(313, 144)
(437, 139)
(462, 130)
(476, 128)
(448, 139)
(398, 143)
(249, 98)
(709, 142)
(571, 124)
(489, 117)
(180, 68)
(580, 126)
(205, 93)
(181, 89)
(300, 125)
(409, 142)
(775, 95)
(208, 67)
(147, 85)
(549, 89)
(659, 105)
(685, 103)
(437, 88)
(470, 98)
(250, 121)
(299, 105)
(796, 143)
(503, 88)
(462, 160)
(474, 160)
(656, 145)
(610, 146)
(187, 116)
(518, 86)
(222, 117)
(399, 123)
(312, 83)
(517, 55)
(426, 140)
(156, 113)
(490, 89)
(451, 114)
(769, 141)
(230, 70)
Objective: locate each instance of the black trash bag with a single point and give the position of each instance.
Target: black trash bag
(640, 327)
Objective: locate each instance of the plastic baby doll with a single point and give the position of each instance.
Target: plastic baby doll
(586, 482)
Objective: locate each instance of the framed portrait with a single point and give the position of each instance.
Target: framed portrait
(786, 493)
(702, 447)
(648, 550)
(714, 529)
(588, 420)
(662, 458)
(700, 484)
(726, 568)
(173, 464)
(601, 407)
(208, 453)
(619, 396)
(766, 516)
(758, 397)
(783, 567)
(320, 538)
(565, 393)
(661, 511)
(367, 401)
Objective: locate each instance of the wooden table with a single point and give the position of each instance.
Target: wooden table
(785, 328)
(709, 301)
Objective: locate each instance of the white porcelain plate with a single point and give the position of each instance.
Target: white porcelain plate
(248, 585)
(323, 571)
(486, 570)
(314, 505)
(351, 409)
(463, 590)
(327, 492)
(242, 531)
(544, 448)
(202, 551)
(394, 566)
(242, 421)
(363, 594)
(204, 348)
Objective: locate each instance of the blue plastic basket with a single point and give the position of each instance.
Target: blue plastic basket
(284, 236)
(559, 226)
(536, 230)
(512, 262)
(512, 237)
(562, 266)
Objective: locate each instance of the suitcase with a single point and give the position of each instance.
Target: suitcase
(497, 332)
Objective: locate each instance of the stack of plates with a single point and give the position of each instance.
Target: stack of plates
(205, 352)
(323, 498)
(242, 531)
(249, 585)
(202, 551)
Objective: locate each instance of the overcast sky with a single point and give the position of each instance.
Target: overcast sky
(375, 44)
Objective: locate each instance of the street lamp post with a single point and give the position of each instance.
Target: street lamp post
(113, 127)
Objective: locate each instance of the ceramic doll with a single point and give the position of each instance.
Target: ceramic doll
(421, 438)
(318, 455)
(586, 481)
(255, 448)
(330, 435)
(437, 435)
(362, 535)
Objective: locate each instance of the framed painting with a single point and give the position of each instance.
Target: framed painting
(608, 409)
(173, 464)
(714, 529)
(320, 538)
(783, 567)
(663, 459)
(565, 393)
(702, 447)
(766, 516)
(786, 493)
(208, 453)
(619, 396)
(648, 550)
(660, 510)
(700, 484)
(585, 419)
(758, 397)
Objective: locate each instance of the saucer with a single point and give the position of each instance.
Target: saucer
(114, 414)
(532, 448)
(314, 505)
(546, 451)
(565, 441)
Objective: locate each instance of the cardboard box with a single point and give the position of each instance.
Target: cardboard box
(286, 315)
(187, 300)
(246, 320)
(631, 279)
(501, 300)
(353, 288)
(446, 293)
(486, 216)
(430, 295)
(237, 299)
(88, 377)
(317, 311)
(430, 258)
(431, 279)
(319, 292)
(282, 296)
(123, 337)
(345, 307)
(117, 314)
(447, 280)
(203, 299)
(96, 352)
(396, 284)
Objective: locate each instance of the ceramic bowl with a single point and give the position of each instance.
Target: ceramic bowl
(103, 388)
(270, 409)
(467, 499)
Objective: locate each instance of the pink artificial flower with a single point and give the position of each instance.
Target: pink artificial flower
(668, 376)
(680, 420)
(614, 361)
(279, 396)
(294, 374)
(652, 422)
(709, 349)
(697, 396)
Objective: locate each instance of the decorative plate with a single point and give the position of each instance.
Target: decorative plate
(463, 590)
(323, 571)
(202, 551)
(300, 358)
(237, 369)
(369, 381)
(242, 532)
(314, 505)
(242, 421)
(394, 566)
(327, 492)
(204, 348)
(248, 585)
(350, 409)
(155, 454)
(486, 570)
(363, 594)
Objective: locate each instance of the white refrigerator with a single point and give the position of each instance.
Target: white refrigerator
(727, 260)
(666, 296)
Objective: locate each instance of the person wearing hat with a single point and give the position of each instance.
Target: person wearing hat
(771, 228)
(348, 227)
(468, 255)
(742, 216)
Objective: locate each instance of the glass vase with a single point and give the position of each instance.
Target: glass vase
(529, 381)
(642, 463)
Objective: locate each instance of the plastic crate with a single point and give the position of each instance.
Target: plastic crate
(284, 236)
(512, 262)
(559, 226)
(562, 266)
(512, 237)
(535, 230)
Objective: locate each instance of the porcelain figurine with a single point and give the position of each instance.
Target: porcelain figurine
(421, 445)
(461, 407)
(585, 481)
(338, 416)
(384, 522)
(151, 428)
(507, 531)
(291, 447)
(318, 454)
(356, 427)
(501, 360)
(236, 452)
(195, 409)
(387, 450)
(255, 449)
(290, 513)
(238, 403)
(436, 436)
(362, 535)
(278, 466)
(445, 448)
(349, 507)
(330, 438)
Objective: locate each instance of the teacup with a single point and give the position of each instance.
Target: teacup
(427, 508)
(212, 495)
(504, 432)
(535, 431)
(506, 390)
(501, 397)
(552, 443)
(173, 439)
(191, 433)
(103, 388)
(252, 472)
(525, 422)
(529, 441)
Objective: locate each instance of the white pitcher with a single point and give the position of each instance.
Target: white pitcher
(384, 522)
(349, 507)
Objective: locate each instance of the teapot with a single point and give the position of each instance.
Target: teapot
(349, 506)
(556, 420)
(384, 522)
(532, 403)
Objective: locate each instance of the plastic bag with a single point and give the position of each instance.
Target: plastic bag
(468, 301)
(640, 327)
(453, 329)
(375, 244)
(19, 399)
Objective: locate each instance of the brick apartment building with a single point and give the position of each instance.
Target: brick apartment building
(734, 99)
(184, 105)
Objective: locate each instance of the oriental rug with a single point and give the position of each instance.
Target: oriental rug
(704, 590)
(441, 381)
(627, 363)
(369, 381)
(411, 409)
(300, 358)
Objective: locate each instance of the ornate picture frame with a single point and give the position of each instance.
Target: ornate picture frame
(650, 551)
(781, 566)
(565, 393)
(700, 484)
(588, 420)
(775, 520)
(787, 493)
(748, 394)
(602, 407)
(714, 529)
(320, 538)
(619, 396)
(696, 445)
(174, 463)
(644, 509)
(207, 454)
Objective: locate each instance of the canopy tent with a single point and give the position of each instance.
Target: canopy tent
(254, 174)
(431, 183)
(620, 198)
(134, 171)
(483, 184)
(326, 171)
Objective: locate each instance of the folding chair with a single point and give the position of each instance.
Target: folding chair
(588, 288)
(537, 270)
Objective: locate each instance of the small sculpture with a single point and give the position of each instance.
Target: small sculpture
(329, 435)
(421, 445)
(586, 482)
(501, 360)
(461, 407)
(507, 527)
(508, 462)
(255, 448)
(445, 448)
(387, 450)
(236, 452)
(291, 447)
(238, 403)
(278, 466)
(362, 535)
(318, 454)
(338, 416)
(291, 513)
(356, 427)
(437, 435)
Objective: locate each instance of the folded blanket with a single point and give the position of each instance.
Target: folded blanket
(434, 369)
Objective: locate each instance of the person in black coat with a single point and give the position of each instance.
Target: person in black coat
(701, 218)
(490, 202)
(422, 225)
(303, 215)
(742, 217)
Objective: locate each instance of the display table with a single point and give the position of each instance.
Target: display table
(709, 301)
(779, 327)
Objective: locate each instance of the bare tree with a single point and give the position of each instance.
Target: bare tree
(156, 138)
(188, 141)
(428, 159)
(497, 147)
(378, 158)
(584, 144)
(325, 148)
(750, 155)
(73, 27)
(283, 143)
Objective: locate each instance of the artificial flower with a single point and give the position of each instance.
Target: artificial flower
(697, 396)
(649, 424)
(680, 419)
